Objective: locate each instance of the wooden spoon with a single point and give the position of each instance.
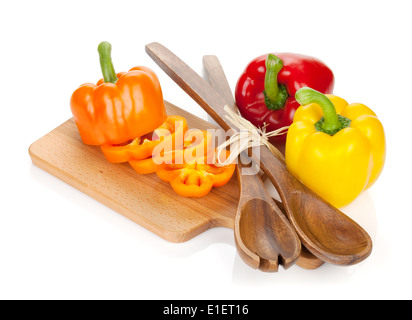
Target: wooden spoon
(324, 230)
(263, 235)
(217, 79)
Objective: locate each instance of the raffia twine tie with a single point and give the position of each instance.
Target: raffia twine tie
(247, 137)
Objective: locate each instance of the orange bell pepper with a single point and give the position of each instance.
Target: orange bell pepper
(196, 144)
(171, 131)
(120, 107)
(196, 179)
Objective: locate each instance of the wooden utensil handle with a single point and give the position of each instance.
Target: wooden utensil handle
(218, 77)
(275, 169)
(199, 89)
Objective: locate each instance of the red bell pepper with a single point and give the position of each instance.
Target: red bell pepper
(265, 92)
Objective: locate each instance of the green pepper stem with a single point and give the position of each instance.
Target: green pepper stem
(273, 66)
(331, 123)
(275, 94)
(106, 64)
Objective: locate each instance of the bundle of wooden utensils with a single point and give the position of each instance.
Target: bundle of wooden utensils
(302, 228)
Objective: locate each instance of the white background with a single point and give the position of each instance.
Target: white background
(57, 243)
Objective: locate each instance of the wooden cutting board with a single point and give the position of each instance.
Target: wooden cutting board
(144, 199)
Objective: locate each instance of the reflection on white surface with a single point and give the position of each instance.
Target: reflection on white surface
(218, 242)
(362, 210)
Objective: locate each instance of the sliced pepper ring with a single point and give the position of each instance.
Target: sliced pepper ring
(196, 144)
(220, 175)
(171, 171)
(145, 166)
(197, 178)
(171, 131)
(191, 183)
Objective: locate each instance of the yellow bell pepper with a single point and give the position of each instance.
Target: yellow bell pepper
(335, 148)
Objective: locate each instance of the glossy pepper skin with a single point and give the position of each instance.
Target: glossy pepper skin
(265, 92)
(335, 148)
(119, 108)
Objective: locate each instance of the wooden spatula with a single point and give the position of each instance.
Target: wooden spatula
(324, 230)
(217, 79)
(263, 235)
